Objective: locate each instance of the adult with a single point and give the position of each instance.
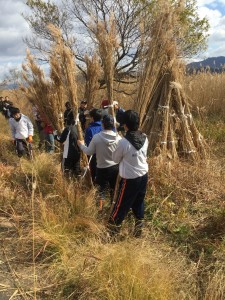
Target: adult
(82, 116)
(131, 154)
(22, 132)
(103, 145)
(71, 151)
(94, 127)
(68, 114)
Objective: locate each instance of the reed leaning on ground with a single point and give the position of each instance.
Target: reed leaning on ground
(181, 255)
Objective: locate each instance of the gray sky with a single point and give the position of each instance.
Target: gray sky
(13, 28)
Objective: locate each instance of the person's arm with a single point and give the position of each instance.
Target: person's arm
(90, 150)
(117, 155)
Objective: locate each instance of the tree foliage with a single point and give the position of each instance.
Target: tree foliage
(133, 20)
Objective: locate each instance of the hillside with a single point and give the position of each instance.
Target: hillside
(215, 64)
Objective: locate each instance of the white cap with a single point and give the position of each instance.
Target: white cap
(115, 103)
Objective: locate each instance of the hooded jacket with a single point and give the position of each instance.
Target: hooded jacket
(131, 154)
(103, 145)
(94, 128)
(21, 129)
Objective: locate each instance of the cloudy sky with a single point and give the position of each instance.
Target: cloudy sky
(13, 28)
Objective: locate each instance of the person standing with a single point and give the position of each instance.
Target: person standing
(68, 114)
(103, 145)
(94, 127)
(22, 132)
(71, 151)
(131, 155)
(82, 117)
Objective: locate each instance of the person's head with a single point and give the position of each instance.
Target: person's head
(108, 122)
(15, 113)
(6, 98)
(1, 98)
(96, 114)
(68, 105)
(131, 120)
(83, 104)
(116, 104)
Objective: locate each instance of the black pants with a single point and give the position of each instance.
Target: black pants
(71, 167)
(106, 180)
(131, 195)
(22, 148)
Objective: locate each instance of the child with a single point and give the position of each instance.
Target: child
(71, 152)
(22, 131)
(131, 155)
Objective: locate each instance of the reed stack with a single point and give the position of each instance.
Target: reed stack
(162, 103)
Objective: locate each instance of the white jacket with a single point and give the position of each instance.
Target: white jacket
(21, 129)
(133, 163)
(103, 144)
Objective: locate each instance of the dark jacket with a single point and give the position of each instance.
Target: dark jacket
(71, 150)
(68, 116)
(94, 128)
(82, 118)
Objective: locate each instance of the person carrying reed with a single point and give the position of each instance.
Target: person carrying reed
(131, 155)
(103, 144)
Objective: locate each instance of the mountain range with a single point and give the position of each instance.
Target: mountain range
(215, 64)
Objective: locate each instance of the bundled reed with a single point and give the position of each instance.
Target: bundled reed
(163, 106)
(105, 33)
(92, 80)
(42, 92)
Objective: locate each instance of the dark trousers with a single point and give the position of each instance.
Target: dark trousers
(131, 195)
(106, 180)
(71, 167)
(22, 148)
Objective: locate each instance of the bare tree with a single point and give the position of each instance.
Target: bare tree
(132, 19)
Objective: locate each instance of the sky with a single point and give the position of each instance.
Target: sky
(13, 28)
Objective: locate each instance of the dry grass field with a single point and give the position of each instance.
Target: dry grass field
(54, 245)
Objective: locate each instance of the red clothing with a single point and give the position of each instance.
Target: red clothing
(48, 129)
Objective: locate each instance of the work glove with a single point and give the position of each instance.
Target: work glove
(30, 139)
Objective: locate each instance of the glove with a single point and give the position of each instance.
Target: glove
(30, 139)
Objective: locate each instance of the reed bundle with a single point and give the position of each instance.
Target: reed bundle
(92, 81)
(163, 106)
(41, 92)
(105, 33)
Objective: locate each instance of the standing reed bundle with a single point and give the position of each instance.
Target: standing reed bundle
(162, 104)
(41, 92)
(92, 81)
(67, 70)
(107, 43)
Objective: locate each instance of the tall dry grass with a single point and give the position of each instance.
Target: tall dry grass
(206, 92)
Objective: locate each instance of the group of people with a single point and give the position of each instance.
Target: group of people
(110, 154)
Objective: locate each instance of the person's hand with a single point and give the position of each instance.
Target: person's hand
(79, 142)
(14, 142)
(30, 139)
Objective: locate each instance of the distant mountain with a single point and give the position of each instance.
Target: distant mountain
(216, 64)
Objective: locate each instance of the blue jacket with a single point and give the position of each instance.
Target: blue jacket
(94, 128)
